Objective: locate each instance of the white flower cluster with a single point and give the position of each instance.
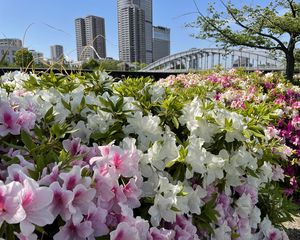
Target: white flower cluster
(210, 169)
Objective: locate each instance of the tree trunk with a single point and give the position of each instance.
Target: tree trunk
(290, 65)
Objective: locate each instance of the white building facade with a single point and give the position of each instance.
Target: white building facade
(8, 47)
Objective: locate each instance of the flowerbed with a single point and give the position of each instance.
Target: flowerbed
(83, 157)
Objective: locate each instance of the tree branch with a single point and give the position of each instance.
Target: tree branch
(292, 8)
(283, 47)
(233, 40)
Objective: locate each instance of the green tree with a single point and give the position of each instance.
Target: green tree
(110, 64)
(91, 64)
(273, 27)
(23, 58)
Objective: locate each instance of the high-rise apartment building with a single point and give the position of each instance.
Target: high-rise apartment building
(90, 38)
(161, 42)
(135, 30)
(57, 52)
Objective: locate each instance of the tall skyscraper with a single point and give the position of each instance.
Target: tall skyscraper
(135, 30)
(90, 38)
(161, 42)
(57, 52)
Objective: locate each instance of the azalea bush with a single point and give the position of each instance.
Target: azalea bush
(268, 99)
(85, 157)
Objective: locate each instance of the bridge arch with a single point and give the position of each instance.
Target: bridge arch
(208, 58)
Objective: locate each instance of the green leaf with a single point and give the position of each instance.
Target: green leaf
(182, 193)
(175, 122)
(27, 140)
(171, 163)
(49, 116)
(173, 208)
(119, 104)
(66, 105)
(235, 235)
(10, 232)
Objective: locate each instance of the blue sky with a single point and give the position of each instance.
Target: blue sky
(53, 22)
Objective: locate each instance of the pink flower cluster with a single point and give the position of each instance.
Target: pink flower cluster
(94, 198)
(12, 122)
(181, 80)
(235, 91)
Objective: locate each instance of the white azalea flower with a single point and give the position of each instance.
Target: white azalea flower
(197, 155)
(195, 197)
(82, 132)
(162, 209)
(157, 92)
(146, 127)
(99, 122)
(244, 205)
(222, 233)
(215, 169)
(60, 112)
(3, 95)
(266, 173)
(255, 217)
(163, 151)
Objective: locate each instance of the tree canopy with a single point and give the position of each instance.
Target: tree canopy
(275, 26)
(23, 58)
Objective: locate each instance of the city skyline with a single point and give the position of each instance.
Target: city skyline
(58, 29)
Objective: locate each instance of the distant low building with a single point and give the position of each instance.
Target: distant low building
(8, 47)
(161, 42)
(38, 57)
(57, 52)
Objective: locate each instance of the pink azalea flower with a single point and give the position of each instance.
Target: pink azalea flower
(73, 178)
(132, 193)
(11, 209)
(89, 152)
(296, 105)
(185, 229)
(97, 216)
(73, 231)
(47, 179)
(114, 203)
(296, 122)
(16, 173)
(21, 236)
(103, 183)
(8, 121)
(278, 173)
(293, 182)
(248, 189)
(125, 232)
(26, 120)
(125, 162)
(62, 200)
(141, 225)
(161, 234)
(35, 202)
(82, 200)
(72, 146)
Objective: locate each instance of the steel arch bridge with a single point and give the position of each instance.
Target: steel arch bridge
(208, 58)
